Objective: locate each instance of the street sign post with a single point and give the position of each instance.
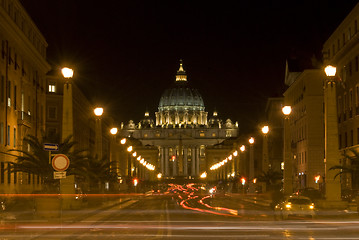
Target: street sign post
(51, 147)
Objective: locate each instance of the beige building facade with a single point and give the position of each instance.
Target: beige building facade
(342, 51)
(305, 96)
(23, 68)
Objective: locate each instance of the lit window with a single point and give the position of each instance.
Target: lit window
(52, 88)
(201, 134)
(213, 134)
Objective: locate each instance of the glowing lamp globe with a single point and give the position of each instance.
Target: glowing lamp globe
(287, 110)
(330, 71)
(98, 111)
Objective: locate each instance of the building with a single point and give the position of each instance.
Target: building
(181, 131)
(342, 51)
(305, 96)
(23, 69)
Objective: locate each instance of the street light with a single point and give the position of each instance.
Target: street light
(67, 72)
(67, 112)
(288, 165)
(332, 154)
(113, 131)
(98, 132)
(98, 111)
(265, 160)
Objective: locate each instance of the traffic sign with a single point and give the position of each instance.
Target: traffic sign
(51, 147)
(60, 162)
(59, 175)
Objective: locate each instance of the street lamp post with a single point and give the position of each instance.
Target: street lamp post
(265, 160)
(98, 132)
(288, 165)
(332, 155)
(251, 165)
(67, 110)
(113, 132)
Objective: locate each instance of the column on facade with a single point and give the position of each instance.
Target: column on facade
(193, 167)
(176, 118)
(162, 163)
(198, 151)
(174, 164)
(166, 161)
(185, 153)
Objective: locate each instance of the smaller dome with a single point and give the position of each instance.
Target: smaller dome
(215, 121)
(146, 122)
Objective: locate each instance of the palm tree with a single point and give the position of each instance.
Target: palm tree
(270, 177)
(100, 171)
(351, 168)
(34, 159)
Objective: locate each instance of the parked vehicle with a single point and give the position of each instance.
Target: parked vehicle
(312, 193)
(294, 206)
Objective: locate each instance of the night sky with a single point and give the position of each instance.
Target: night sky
(126, 53)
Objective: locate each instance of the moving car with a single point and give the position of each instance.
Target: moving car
(295, 206)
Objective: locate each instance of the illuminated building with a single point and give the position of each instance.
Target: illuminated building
(23, 67)
(342, 51)
(181, 131)
(305, 96)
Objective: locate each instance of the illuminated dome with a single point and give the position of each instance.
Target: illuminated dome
(181, 96)
(181, 104)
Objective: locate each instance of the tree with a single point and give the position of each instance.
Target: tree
(351, 167)
(100, 171)
(270, 177)
(34, 159)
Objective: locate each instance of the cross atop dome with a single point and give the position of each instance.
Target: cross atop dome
(181, 73)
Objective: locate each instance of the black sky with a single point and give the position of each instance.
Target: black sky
(126, 53)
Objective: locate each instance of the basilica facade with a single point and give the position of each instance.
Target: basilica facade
(181, 131)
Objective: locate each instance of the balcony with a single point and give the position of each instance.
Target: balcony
(23, 118)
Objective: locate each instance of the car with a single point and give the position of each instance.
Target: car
(312, 193)
(294, 206)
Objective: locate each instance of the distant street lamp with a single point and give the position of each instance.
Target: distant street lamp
(98, 132)
(251, 158)
(113, 131)
(332, 154)
(288, 165)
(265, 160)
(113, 142)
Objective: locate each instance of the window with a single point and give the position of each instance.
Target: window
(2, 89)
(350, 69)
(351, 138)
(9, 94)
(52, 112)
(8, 173)
(52, 88)
(1, 133)
(201, 134)
(356, 63)
(15, 97)
(14, 137)
(8, 135)
(2, 172)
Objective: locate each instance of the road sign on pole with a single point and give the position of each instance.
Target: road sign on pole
(59, 175)
(60, 162)
(51, 147)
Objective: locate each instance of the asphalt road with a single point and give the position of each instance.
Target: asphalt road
(181, 214)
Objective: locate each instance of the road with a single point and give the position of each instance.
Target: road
(179, 214)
